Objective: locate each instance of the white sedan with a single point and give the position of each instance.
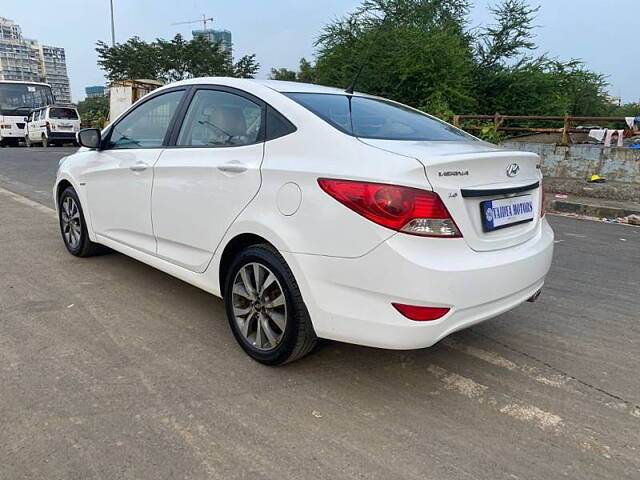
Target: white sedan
(312, 212)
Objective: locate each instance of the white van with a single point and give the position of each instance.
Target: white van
(52, 125)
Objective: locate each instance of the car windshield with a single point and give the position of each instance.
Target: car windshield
(366, 117)
(63, 113)
(19, 99)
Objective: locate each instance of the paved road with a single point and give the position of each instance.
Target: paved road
(31, 171)
(110, 369)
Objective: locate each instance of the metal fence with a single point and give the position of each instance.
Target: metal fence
(567, 122)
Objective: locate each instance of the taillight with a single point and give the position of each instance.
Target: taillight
(404, 209)
(541, 199)
(421, 314)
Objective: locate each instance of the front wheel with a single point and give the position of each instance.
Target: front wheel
(73, 226)
(265, 308)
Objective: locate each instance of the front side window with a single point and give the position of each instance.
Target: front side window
(146, 126)
(63, 113)
(220, 119)
(366, 117)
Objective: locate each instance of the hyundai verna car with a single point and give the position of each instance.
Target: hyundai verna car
(314, 213)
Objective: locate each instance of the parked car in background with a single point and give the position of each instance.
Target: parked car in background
(52, 125)
(313, 212)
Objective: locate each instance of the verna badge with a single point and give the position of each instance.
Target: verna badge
(513, 169)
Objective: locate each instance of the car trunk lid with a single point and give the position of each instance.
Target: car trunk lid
(466, 174)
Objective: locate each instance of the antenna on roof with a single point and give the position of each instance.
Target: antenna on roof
(352, 85)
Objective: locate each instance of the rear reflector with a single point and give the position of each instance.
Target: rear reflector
(404, 209)
(421, 314)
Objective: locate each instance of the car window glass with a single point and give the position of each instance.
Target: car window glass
(375, 118)
(146, 126)
(277, 125)
(63, 113)
(217, 119)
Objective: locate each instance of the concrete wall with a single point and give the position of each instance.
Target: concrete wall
(566, 169)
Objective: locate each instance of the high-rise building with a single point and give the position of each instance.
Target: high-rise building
(19, 58)
(54, 63)
(223, 36)
(25, 59)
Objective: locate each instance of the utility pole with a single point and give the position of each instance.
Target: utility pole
(113, 28)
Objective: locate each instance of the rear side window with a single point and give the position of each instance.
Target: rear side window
(377, 119)
(277, 125)
(63, 113)
(220, 119)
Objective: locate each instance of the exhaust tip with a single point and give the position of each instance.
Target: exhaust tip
(535, 296)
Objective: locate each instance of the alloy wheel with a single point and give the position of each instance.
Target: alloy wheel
(71, 223)
(259, 306)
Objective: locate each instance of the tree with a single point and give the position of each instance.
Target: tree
(413, 51)
(423, 53)
(284, 74)
(172, 60)
(512, 34)
(94, 110)
(305, 73)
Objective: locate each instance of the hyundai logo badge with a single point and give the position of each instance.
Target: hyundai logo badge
(513, 169)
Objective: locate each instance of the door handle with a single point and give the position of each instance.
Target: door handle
(232, 168)
(138, 167)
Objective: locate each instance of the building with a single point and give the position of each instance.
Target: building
(212, 35)
(54, 71)
(25, 59)
(95, 91)
(19, 58)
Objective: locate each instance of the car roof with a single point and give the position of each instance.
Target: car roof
(277, 85)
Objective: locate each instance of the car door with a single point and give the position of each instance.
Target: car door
(119, 176)
(34, 127)
(209, 174)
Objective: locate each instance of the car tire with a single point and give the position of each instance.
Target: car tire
(45, 142)
(272, 305)
(73, 226)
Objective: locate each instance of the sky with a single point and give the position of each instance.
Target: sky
(603, 33)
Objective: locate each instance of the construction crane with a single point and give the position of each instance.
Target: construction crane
(204, 21)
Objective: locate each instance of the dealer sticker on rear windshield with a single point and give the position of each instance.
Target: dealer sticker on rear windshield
(506, 212)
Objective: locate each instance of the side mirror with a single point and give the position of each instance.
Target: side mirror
(89, 137)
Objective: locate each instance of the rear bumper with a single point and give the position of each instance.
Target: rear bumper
(12, 133)
(350, 299)
(71, 136)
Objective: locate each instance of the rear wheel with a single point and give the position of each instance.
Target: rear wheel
(265, 308)
(73, 226)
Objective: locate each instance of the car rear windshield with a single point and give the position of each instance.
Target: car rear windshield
(366, 117)
(63, 113)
